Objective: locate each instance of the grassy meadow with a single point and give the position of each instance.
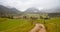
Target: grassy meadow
(25, 25)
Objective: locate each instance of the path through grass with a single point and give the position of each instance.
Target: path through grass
(24, 25)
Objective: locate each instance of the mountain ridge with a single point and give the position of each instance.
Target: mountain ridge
(5, 10)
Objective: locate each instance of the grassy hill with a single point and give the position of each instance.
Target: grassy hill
(25, 25)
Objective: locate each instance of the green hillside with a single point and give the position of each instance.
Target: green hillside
(25, 25)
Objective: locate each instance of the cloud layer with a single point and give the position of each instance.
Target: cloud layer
(25, 4)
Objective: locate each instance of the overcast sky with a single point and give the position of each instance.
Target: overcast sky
(25, 4)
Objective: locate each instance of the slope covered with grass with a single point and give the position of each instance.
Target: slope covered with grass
(15, 25)
(25, 25)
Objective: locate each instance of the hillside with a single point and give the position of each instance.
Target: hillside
(25, 25)
(52, 10)
(33, 10)
(8, 11)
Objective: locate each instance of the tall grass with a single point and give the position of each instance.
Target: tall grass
(25, 25)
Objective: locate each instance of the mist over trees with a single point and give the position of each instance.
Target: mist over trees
(4, 11)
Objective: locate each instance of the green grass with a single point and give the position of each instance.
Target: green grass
(15, 25)
(25, 25)
(52, 25)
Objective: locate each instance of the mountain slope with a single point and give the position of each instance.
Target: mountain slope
(32, 10)
(6, 11)
(52, 10)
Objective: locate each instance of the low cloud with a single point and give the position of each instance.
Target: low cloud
(25, 4)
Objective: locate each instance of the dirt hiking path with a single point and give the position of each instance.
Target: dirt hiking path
(38, 28)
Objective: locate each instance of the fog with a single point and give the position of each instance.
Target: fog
(25, 4)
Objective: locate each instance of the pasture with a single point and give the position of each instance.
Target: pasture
(25, 25)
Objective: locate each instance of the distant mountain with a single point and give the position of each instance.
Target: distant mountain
(56, 10)
(33, 10)
(52, 10)
(6, 11)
